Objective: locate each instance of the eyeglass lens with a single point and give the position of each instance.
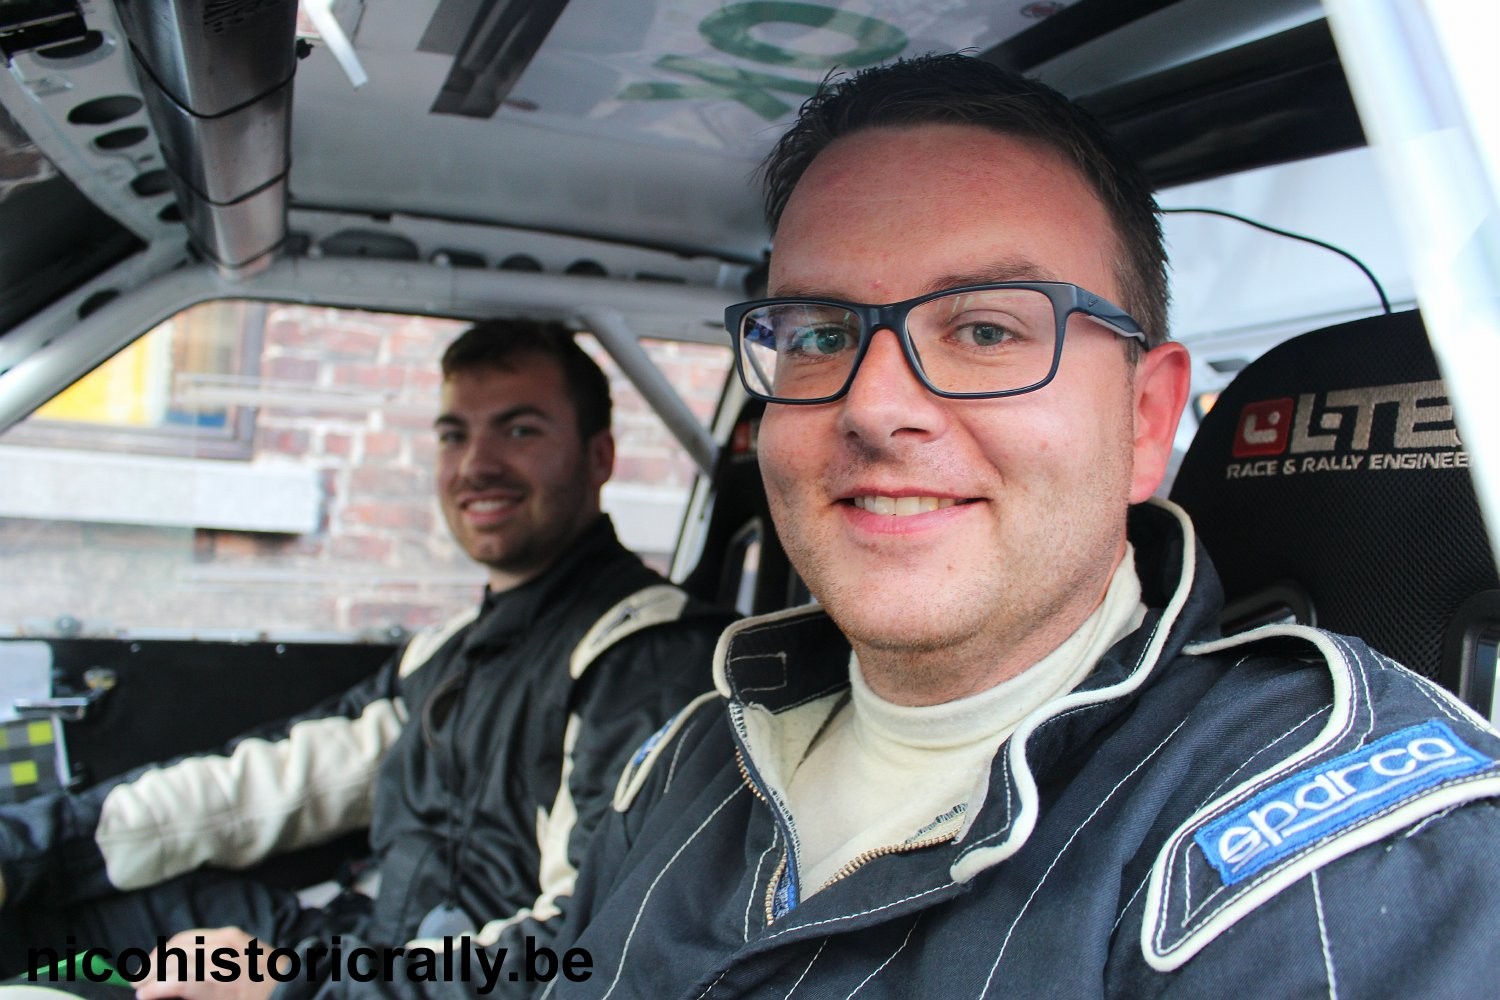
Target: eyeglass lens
(970, 341)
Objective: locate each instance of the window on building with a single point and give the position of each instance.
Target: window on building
(147, 399)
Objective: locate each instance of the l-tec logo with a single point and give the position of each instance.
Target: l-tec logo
(1264, 428)
(1343, 420)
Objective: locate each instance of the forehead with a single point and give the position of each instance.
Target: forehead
(530, 380)
(891, 212)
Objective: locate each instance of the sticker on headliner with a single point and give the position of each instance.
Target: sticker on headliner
(1316, 803)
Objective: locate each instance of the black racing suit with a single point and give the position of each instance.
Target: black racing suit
(1282, 813)
(453, 754)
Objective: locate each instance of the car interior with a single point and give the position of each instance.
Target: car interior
(386, 170)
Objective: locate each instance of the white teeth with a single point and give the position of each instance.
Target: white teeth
(485, 506)
(902, 506)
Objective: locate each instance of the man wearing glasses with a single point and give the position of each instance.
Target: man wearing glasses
(1007, 753)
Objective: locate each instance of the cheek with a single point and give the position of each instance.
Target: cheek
(785, 451)
(1018, 434)
(1048, 446)
(553, 472)
(1088, 417)
(447, 466)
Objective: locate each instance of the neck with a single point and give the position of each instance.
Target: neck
(502, 580)
(932, 677)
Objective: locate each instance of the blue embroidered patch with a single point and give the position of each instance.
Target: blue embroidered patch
(784, 899)
(1322, 800)
(654, 740)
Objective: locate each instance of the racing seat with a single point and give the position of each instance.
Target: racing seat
(743, 565)
(1330, 486)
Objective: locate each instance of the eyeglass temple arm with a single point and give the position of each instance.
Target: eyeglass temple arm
(1117, 319)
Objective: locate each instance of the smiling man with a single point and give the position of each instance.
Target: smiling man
(1003, 518)
(521, 456)
(480, 759)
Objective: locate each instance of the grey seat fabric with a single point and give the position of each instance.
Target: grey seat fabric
(1330, 484)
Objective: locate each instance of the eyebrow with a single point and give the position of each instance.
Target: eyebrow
(1015, 269)
(1008, 270)
(503, 417)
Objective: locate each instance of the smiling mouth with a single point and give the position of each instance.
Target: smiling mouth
(903, 506)
(487, 506)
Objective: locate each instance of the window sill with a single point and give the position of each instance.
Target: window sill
(66, 485)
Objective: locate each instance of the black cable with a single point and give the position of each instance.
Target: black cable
(1385, 303)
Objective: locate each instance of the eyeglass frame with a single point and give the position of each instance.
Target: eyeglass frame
(1066, 298)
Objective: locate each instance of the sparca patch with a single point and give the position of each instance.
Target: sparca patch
(1317, 802)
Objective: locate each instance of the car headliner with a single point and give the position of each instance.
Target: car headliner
(594, 139)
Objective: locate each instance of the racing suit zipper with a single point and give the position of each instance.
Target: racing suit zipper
(859, 860)
(848, 868)
(780, 870)
(739, 760)
(772, 886)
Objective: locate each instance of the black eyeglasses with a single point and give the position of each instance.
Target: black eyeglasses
(974, 342)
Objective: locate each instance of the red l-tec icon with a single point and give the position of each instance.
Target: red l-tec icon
(1264, 428)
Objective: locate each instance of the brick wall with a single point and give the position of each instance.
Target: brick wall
(348, 396)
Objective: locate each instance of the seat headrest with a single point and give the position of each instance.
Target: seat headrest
(741, 516)
(1331, 467)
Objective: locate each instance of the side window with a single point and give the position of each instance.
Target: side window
(251, 470)
(653, 473)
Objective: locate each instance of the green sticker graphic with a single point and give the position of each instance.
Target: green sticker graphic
(729, 30)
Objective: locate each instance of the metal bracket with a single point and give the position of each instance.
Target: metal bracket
(69, 708)
(72, 708)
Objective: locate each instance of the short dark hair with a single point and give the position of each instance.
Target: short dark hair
(963, 90)
(499, 343)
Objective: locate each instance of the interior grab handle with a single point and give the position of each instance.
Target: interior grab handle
(69, 708)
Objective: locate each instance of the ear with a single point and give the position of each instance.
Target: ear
(1162, 378)
(600, 454)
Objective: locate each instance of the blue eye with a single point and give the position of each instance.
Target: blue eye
(987, 334)
(823, 340)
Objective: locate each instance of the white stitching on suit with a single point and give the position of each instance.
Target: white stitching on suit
(882, 965)
(821, 945)
(861, 913)
(625, 949)
(1188, 909)
(1333, 982)
(1069, 843)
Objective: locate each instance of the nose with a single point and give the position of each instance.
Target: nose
(886, 400)
(482, 457)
